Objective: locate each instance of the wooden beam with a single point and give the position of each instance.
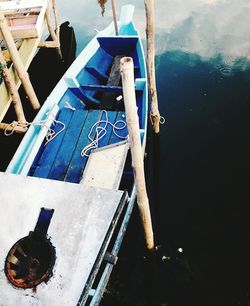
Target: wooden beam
(48, 44)
(53, 35)
(21, 71)
(12, 90)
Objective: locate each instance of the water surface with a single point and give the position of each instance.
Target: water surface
(198, 167)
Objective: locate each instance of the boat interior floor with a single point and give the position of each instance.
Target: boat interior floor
(62, 158)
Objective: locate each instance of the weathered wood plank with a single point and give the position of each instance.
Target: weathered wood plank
(47, 154)
(78, 162)
(123, 132)
(66, 151)
(111, 116)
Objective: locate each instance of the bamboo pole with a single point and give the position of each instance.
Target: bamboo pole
(53, 35)
(154, 113)
(48, 44)
(12, 90)
(18, 64)
(57, 31)
(10, 129)
(114, 16)
(127, 72)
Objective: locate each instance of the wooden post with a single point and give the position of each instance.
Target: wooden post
(114, 17)
(10, 129)
(54, 36)
(154, 113)
(18, 64)
(12, 90)
(127, 72)
(57, 31)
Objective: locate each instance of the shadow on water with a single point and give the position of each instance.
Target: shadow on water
(45, 71)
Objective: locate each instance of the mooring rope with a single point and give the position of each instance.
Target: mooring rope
(50, 135)
(101, 131)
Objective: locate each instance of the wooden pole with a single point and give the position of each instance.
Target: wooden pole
(154, 113)
(18, 64)
(10, 129)
(53, 35)
(114, 17)
(127, 72)
(12, 90)
(56, 21)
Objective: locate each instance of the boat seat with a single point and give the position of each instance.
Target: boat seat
(77, 90)
(139, 85)
(104, 88)
(99, 65)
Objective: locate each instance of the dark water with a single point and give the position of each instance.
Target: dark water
(198, 174)
(198, 167)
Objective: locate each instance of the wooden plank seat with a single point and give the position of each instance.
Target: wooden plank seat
(84, 96)
(99, 65)
(81, 91)
(61, 158)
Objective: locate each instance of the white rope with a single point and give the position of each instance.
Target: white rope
(101, 131)
(50, 135)
(14, 125)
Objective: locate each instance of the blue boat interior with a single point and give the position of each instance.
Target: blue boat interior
(97, 81)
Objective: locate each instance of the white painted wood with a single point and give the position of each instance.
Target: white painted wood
(23, 4)
(127, 13)
(40, 19)
(71, 82)
(105, 166)
(30, 27)
(78, 227)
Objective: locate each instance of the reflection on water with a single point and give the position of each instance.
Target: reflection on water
(202, 27)
(198, 168)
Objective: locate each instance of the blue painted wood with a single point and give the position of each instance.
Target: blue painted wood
(123, 132)
(86, 98)
(105, 88)
(99, 65)
(78, 162)
(70, 97)
(111, 117)
(66, 151)
(84, 77)
(118, 45)
(48, 153)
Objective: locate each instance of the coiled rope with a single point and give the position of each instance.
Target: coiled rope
(101, 131)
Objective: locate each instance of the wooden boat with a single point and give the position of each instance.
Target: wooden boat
(64, 192)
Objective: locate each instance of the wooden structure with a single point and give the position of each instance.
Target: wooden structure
(25, 20)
